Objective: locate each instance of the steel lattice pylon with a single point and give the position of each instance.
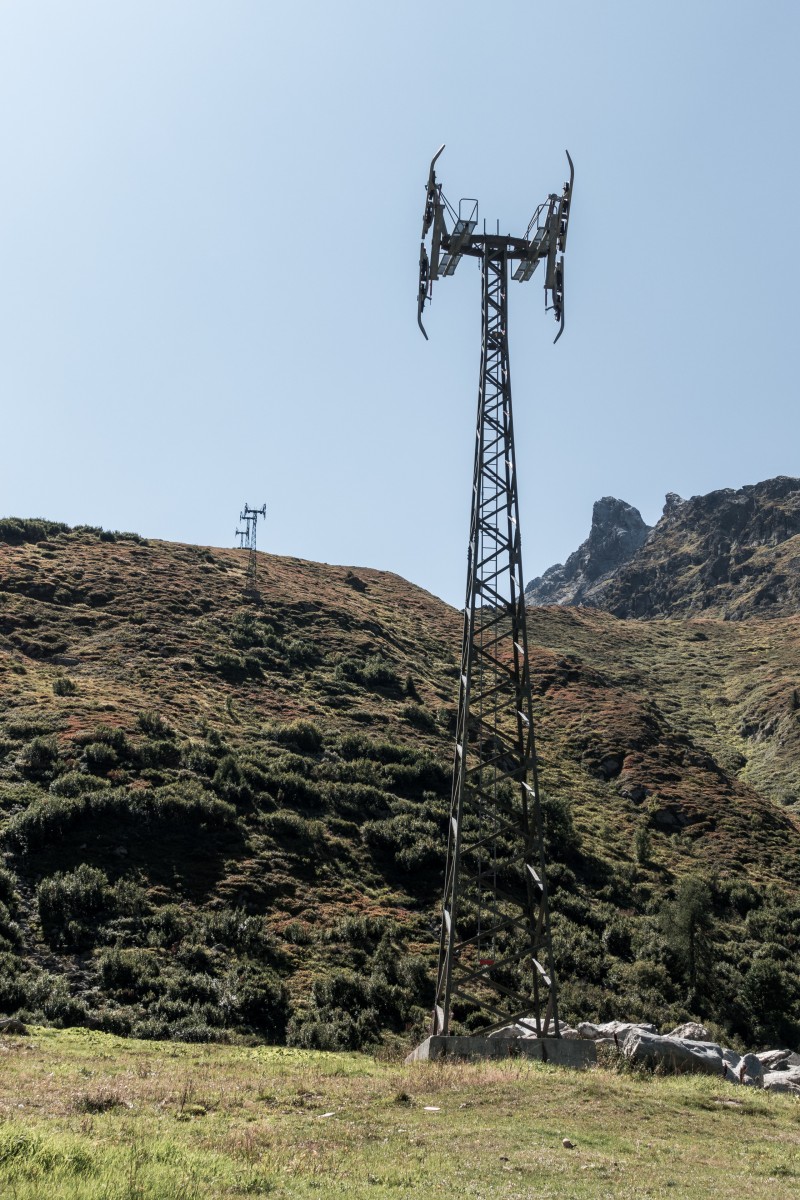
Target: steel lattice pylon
(247, 541)
(495, 950)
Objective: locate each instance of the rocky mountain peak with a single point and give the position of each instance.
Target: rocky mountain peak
(616, 534)
(733, 553)
(672, 503)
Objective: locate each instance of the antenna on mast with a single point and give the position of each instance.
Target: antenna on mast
(495, 948)
(545, 239)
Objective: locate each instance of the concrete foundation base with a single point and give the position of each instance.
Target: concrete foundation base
(566, 1053)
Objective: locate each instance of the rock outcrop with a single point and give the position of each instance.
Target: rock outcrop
(617, 532)
(675, 1055)
(731, 554)
(693, 1031)
(691, 1049)
(783, 1081)
(10, 1025)
(688, 1049)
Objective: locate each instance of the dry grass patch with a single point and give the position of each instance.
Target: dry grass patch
(196, 1122)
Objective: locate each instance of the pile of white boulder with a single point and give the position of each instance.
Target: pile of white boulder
(690, 1047)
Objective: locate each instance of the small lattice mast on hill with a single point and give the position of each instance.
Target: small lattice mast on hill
(247, 541)
(495, 952)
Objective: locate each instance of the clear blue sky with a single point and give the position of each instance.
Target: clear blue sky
(209, 234)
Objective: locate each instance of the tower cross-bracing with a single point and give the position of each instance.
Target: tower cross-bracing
(495, 950)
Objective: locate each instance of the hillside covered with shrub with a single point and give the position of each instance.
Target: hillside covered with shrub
(225, 816)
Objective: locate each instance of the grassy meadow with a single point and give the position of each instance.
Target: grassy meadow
(88, 1116)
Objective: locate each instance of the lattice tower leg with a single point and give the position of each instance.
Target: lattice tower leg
(495, 953)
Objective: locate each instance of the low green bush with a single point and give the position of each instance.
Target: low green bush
(411, 839)
(8, 889)
(229, 782)
(154, 725)
(48, 1000)
(642, 843)
(300, 735)
(424, 773)
(186, 801)
(169, 924)
(255, 995)
(75, 783)
(24, 728)
(64, 686)
(249, 632)
(235, 668)
(10, 932)
(378, 673)
(289, 762)
(100, 758)
(71, 904)
(129, 974)
(358, 745)
(14, 531)
(192, 987)
(151, 1028)
(288, 824)
(39, 759)
(13, 980)
(340, 1015)
(159, 753)
(130, 900)
(617, 936)
(561, 838)
(197, 1028)
(109, 735)
(239, 930)
(50, 817)
(419, 717)
(351, 1011)
(740, 895)
(357, 800)
(373, 672)
(286, 788)
(354, 770)
(360, 930)
(298, 933)
(197, 759)
(300, 653)
(257, 782)
(195, 957)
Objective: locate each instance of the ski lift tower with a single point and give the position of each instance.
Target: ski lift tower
(247, 541)
(495, 950)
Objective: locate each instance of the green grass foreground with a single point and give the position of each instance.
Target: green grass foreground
(91, 1116)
